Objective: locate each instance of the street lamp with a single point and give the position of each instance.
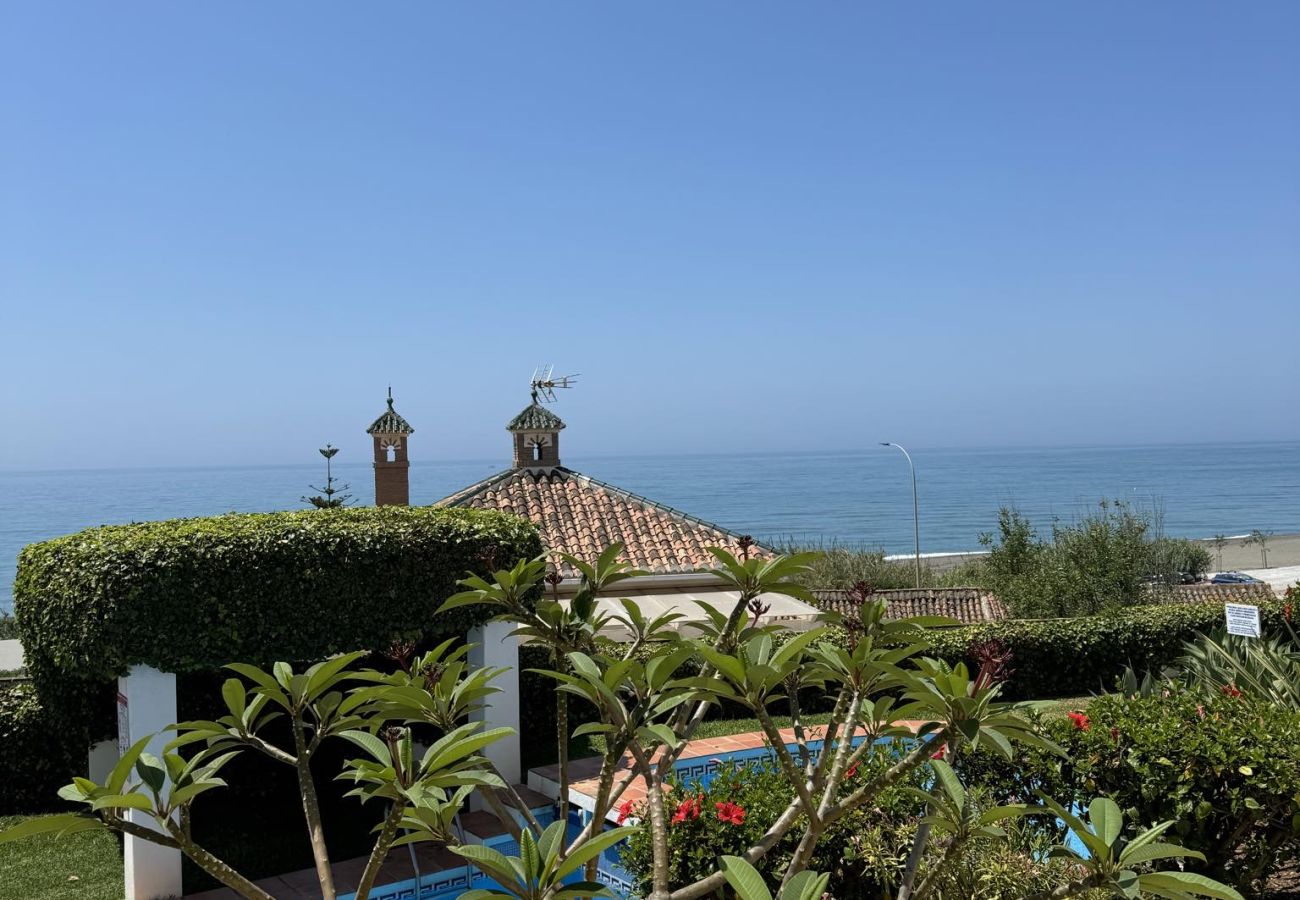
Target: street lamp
(916, 509)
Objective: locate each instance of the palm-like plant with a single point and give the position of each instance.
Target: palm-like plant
(542, 870)
(1116, 864)
(1265, 667)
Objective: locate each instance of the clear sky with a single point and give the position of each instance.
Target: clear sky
(226, 227)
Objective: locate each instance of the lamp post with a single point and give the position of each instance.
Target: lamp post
(916, 509)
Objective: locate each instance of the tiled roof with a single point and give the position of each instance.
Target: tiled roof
(1222, 593)
(535, 417)
(390, 423)
(581, 516)
(967, 605)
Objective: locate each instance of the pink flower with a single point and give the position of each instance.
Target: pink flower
(1200, 711)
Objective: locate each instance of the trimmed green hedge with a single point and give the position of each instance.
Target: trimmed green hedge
(36, 758)
(192, 594)
(1075, 657)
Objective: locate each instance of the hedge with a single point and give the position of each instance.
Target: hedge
(36, 758)
(193, 594)
(190, 595)
(1079, 656)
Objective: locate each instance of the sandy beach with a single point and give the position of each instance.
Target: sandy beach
(1236, 555)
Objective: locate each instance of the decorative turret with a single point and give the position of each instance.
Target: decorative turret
(392, 467)
(536, 431)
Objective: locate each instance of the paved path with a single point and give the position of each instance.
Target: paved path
(11, 655)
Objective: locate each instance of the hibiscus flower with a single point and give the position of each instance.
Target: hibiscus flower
(624, 810)
(687, 809)
(731, 813)
(1080, 720)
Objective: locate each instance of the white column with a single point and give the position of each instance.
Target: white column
(495, 647)
(146, 704)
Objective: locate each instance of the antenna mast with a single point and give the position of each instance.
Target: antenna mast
(544, 384)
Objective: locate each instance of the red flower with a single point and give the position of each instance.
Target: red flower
(1231, 690)
(941, 753)
(853, 770)
(687, 809)
(731, 813)
(1080, 720)
(624, 810)
(1286, 612)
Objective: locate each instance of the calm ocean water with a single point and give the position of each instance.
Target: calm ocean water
(860, 497)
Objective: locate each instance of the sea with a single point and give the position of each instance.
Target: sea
(858, 498)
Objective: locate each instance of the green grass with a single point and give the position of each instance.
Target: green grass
(81, 866)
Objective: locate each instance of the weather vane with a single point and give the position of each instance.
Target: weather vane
(544, 383)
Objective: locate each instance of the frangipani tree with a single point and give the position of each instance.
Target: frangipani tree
(648, 704)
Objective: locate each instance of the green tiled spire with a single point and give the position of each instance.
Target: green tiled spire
(390, 422)
(535, 417)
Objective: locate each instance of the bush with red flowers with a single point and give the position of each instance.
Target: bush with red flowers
(865, 852)
(1226, 767)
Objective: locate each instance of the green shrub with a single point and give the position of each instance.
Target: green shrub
(1227, 769)
(36, 758)
(1093, 564)
(1101, 562)
(1079, 656)
(8, 627)
(192, 594)
(840, 567)
(1171, 556)
(865, 851)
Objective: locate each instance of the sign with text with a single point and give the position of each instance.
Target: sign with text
(1242, 619)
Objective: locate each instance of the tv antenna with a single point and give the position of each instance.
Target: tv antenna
(544, 383)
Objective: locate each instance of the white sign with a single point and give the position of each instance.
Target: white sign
(1242, 619)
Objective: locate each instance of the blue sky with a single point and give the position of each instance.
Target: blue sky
(224, 228)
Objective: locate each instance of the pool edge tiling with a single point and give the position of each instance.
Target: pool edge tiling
(699, 757)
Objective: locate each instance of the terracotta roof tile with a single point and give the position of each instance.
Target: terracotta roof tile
(966, 605)
(581, 516)
(1223, 593)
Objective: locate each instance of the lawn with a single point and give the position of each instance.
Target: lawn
(81, 866)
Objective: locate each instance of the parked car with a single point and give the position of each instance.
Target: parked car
(1234, 578)
(1171, 578)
